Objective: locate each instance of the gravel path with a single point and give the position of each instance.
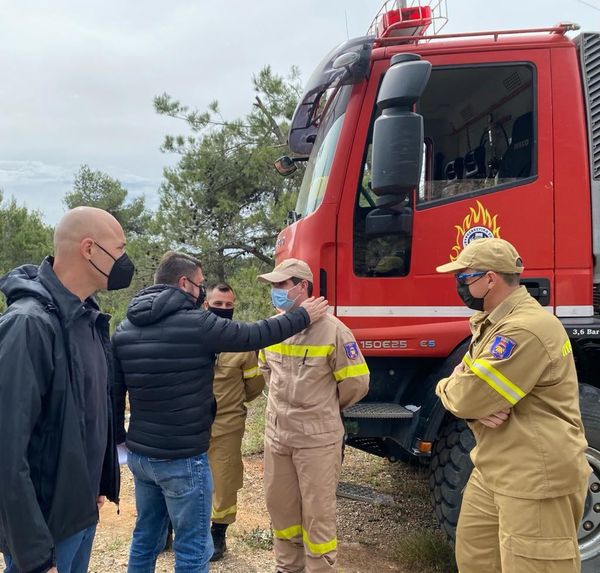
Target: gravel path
(368, 533)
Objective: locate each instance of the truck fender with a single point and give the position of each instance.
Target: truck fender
(432, 410)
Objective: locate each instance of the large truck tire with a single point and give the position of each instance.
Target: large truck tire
(449, 472)
(589, 530)
(451, 467)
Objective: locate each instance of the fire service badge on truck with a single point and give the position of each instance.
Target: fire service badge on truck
(479, 223)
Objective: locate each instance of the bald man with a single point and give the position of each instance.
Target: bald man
(57, 447)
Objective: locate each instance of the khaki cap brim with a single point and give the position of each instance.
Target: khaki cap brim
(450, 267)
(274, 277)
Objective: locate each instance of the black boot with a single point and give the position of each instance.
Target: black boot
(217, 531)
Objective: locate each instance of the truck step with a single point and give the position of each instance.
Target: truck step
(377, 410)
(363, 493)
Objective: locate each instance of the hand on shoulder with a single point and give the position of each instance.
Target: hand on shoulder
(316, 308)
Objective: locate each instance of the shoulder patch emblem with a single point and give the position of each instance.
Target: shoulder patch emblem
(502, 347)
(351, 349)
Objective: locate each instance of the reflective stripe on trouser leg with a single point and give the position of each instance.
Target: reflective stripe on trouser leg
(282, 496)
(318, 472)
(225, 457)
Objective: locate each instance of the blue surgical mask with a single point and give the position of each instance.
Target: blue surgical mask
(281, 300)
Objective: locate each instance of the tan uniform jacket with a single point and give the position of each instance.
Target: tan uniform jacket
(520, 357)
(312, 376)
(237, 380)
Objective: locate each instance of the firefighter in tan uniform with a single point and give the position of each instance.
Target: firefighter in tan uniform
(237, 380)
(312, 377)
(517, 388)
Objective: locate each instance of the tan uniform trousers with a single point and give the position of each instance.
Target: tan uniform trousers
(501, 534)
(300, 488)
(225, 458)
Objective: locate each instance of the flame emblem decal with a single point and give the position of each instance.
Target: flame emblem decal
(478, 224)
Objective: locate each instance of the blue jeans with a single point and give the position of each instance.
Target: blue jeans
(72, 554)
(179, 490)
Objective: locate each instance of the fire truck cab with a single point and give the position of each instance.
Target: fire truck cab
(417, 144)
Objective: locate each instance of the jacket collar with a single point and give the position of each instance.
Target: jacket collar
(502, 310)
(69, 306)
(508, 305)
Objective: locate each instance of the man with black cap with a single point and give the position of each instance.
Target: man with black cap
(517, 388)
(312, 376)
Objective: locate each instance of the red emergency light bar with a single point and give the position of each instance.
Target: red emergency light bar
(411, 21)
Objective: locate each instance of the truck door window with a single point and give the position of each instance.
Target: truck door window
(480, 130)
(479, 137)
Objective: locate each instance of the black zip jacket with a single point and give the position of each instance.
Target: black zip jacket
(45, 490)
(164, 356)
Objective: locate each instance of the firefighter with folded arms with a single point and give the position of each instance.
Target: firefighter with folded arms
(517, 388)
(312, 376)
(237, 380)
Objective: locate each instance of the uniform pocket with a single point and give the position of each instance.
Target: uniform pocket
(540, 554)
(324, 426)
(275, 364)
(312, 384)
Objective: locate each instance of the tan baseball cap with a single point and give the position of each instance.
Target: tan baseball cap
(491, 254)
(286, 270)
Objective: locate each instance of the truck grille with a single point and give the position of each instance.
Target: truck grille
(597, 299)
(590, 63)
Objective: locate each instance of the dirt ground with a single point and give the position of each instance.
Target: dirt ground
(368, 534)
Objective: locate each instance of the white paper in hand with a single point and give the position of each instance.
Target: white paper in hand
(122, 451)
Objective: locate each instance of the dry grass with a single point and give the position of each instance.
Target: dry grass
(258, 538)
(426, 551)
(253, 442)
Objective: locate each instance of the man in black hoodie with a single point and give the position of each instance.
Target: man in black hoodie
(57, 444)
(165, 353)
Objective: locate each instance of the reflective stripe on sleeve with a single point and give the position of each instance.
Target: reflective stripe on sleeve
(223, 513)
(495, 379)
(301, 350)
(251, 373)
(351, 371)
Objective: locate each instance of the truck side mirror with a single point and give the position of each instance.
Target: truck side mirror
(389, 221)
(285, 165)
(398, 132)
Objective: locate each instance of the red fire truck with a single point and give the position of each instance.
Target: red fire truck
(415, 145)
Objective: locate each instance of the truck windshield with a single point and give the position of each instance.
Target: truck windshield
(319, 164)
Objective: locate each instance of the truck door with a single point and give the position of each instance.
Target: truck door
(487, 173)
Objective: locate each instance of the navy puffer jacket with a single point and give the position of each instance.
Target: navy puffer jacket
(165, 353)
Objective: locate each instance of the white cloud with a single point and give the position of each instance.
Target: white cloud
(77, 79)
(22, 172)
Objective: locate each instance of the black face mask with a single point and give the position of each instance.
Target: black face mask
(470, 301)
(222, 312)
(201, 295)
(121, 273)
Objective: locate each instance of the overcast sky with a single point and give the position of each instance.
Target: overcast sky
(77, 78)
